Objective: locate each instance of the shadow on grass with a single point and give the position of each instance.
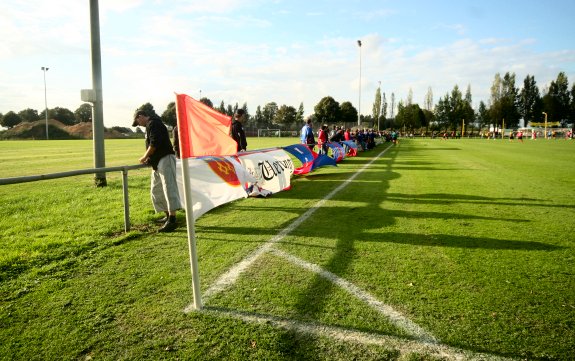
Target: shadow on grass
(448, 198)
(443, 240)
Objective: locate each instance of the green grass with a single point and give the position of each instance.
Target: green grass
(470, 239)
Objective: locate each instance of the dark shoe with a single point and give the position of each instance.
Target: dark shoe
(168, 226)
(162, 220)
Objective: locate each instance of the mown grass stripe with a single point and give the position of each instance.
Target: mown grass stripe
(233, 273)
(394, 316)
(403, 346)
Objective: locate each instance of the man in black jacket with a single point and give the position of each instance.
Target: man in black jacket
(238, 130)
(160, 156)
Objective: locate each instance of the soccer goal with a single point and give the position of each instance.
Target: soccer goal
(269, 133)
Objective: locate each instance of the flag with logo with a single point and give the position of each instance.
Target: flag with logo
(271, 169)
(215, 181)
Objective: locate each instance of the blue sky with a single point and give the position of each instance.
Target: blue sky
(289, 52)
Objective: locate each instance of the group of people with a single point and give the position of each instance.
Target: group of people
(161, 155)
(364, 138)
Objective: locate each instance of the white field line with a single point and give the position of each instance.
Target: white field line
(230, 277)
(425, 342)
(404, 346)
(395, 317)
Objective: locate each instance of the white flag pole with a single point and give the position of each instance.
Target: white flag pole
(191, 234)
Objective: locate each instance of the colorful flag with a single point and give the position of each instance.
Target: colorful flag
(202, 130)
(214, 181)
(337, 151)
(309, 159)
(350, 148)
(272, 170)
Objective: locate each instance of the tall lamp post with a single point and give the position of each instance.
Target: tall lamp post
(359, 104)
(545, 124)
(45, 69)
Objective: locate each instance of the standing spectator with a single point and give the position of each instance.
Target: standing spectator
(322, 140)
(238, 130)
(347, 134)
(306, 136)
(160, 156)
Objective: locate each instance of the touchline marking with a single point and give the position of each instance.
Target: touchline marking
(404, 346)
(395, 317)
(230, 277)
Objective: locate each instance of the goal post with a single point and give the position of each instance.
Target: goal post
(269, 133)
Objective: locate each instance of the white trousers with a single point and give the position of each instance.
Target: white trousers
(164, 187)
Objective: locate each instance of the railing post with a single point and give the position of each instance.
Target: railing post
(126, 200)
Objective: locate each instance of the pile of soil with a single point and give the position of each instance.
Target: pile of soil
(56, 130)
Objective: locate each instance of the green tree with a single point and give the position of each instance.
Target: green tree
(443, 111)
(348, 113)
(410, 117)
(467, 112)
(169, 116)
(376, 110)
(510, 101)
(259, 118)
(530, 102)
(269, 112)
(247, 116)
(207, 102)
(63, 115)
(483, 119)
(222, 108)
(383, 108)
(83, 113)
(29, 115)
(556, 101)
(429, 118)
(10, 119)
(428, 104)
(149, 108)
(327, 111)
(400, 118)
(286, 116)
(456, 109)
(495, 106)
(299, 115)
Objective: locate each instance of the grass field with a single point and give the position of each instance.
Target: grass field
(429, 250)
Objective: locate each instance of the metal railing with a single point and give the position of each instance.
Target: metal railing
(123, 169)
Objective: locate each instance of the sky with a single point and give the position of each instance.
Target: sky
(283, 51)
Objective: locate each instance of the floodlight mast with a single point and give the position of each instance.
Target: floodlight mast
(98, 109)
(45, 69)
(359, 103)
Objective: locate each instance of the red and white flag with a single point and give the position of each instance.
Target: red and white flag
(202, 130)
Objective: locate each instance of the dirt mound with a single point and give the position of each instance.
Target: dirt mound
(56, 130)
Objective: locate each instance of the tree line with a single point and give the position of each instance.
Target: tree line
(507, 106)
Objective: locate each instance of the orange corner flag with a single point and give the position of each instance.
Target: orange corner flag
(202, 130)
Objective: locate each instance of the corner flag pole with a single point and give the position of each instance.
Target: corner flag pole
(191, 234)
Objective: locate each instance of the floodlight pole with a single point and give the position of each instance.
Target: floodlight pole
(359, 103)
(45, 69)
(98, 117)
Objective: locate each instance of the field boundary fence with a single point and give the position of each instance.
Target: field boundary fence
(124, 169)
